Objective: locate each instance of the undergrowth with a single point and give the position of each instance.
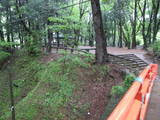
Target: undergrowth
(23, 70)
(44, 88)
(4, 55)
(116, 94)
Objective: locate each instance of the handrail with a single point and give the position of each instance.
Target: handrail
(133, 105)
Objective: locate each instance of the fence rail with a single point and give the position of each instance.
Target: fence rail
(133, 105)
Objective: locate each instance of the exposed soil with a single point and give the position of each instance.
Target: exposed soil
(93, 93)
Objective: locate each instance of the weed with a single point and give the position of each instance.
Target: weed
(117, 90)
(120, 90)
(128, 81)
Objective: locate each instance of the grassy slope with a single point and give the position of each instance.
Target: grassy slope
(39, 88)
(45, 91)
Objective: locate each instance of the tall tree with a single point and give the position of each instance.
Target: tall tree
(101, 51)
(156, 23)
(134, 25)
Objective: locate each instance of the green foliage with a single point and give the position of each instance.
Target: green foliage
(50, 87)
(28, 112)
(104, 70)
(7, 44)
(156, 48)
(26, 69)
(88, 57)
(64, 24)
(4, 55)
(119, 90)
(101, 69)
(68, 26)
(32, 45)
(128, 81)
(24, 75)
(73, 61)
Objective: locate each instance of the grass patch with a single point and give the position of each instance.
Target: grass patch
(4, 55)
(44, 90)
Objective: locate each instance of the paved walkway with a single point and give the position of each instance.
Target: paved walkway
(153, 112)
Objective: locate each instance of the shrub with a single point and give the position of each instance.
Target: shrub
(4, 55)
(119, 90)
(128, 81)
(32, 45)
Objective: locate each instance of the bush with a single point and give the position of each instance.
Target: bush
(32, 45)
(4, 55)
(119, 90)
(128, 81)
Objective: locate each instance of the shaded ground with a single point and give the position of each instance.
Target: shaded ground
(93, 94)
(93, 90)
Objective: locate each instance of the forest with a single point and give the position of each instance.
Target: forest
(47, 71)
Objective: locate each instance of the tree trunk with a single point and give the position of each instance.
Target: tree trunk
(156, 7)
(134, 26)
(1, 32)
(58, 40)
(114, 37)
(143, 26)
(50, 38)
(101, 52)
(120, 34)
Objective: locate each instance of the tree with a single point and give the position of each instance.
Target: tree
(101, 52)
(134, 26)
(156, 23)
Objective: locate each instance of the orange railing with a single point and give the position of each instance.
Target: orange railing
(133, 105)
